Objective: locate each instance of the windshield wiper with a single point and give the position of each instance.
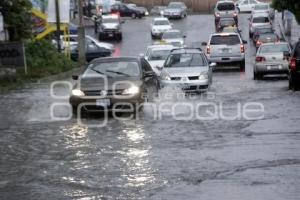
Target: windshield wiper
(116, 72)
(98, 72)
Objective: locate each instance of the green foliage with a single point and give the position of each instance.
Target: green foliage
(291, 5)
(17, 15)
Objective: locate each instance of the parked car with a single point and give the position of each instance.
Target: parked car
(226, 22)
(261, 30)
(270, 59)
(156, 56)
(159, 26)
(226, 48)
(128, 80)
(258, 20)
(176, 10)
(110, 27)
(92, 51)
(174, 37)
(246, 5)
(157, 10)
(187, 69)
(125, 11)
(264, 8)
(266, 38)
(225, 9)
(294, 67)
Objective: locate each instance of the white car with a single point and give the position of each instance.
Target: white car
(156, 56)
(246, 5)
(159, 26)
(264, 8)
(174, 37)
(72, 40)
(259, 20)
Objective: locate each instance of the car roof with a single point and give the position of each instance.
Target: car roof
(186, 50)
(274, 43)
(160, 18)
(117, 59)
(260, 15)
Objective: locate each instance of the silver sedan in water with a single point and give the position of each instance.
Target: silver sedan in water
(271, 59)
(187, 69)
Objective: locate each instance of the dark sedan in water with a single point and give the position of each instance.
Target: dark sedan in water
(112, 84)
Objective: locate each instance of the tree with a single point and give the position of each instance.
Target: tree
(291, 5)
(17, 18)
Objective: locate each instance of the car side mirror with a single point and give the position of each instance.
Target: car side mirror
(245, 42)
(212, 65)
(75, 77)
(286, 54)
(204, 43)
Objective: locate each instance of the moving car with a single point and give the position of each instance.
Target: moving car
(157, 10)
(174, 37)
(261, 30)
(125, 11)
(156, 56)
(110, 27)
(225, 9)
(270, 59)
(257, 20)
(294, 67)
(264, 8)
(113, 84)
(232, 29)
(187, 69)
(92, 51)
(226, 48)
(175, 10)
(141, 8)
(246, 5)
(266, 38)
(226, 22)
(159, 26)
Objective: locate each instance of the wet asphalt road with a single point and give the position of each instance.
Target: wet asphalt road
(152, 158)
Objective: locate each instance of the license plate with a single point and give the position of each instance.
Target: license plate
(270, 67)
(103, 102)
(110, 35)
(225, 50)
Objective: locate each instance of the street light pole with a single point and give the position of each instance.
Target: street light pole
(57, 25)
(81, 36)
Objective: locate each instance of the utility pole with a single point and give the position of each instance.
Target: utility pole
(81, 35)
(57, 25)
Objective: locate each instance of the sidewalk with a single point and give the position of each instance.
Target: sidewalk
(284, 25)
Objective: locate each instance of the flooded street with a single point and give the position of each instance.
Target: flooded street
(228, 158)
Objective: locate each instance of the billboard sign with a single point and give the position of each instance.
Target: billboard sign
(64, 11)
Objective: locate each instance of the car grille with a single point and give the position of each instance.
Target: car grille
(110, 30)
(175, 78)
(192, 78)
(98, 92)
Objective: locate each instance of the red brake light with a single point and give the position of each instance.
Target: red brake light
(260, 59)
(208, 50)
(293, 64)
(242, 48)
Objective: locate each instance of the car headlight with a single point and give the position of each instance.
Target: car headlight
(77, 92)
(132, 90)
(166, 77)
(203, 76)
(162, 12)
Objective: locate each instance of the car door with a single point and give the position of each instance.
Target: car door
(93, 51)
(150, 82)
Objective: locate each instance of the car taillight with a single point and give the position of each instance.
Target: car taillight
(260, 59)
(293, 64)
(208, 50)
(242, 48)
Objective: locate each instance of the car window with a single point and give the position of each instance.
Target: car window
(110, 20)
(225, 39)
(225, 6)
(253, 2)
(261, 20)
(245, 2)
(185, 60)
(145, 65)
(171, 35)
(161, 22)
(158, 55)
(175, 5)
(261, 7)
(268, 37)
(121, 68)
(274, 48)
(227, 22)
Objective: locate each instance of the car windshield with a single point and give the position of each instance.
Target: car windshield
(171, 35)
(261, 20)
(121, 68)
(267, 37)
(110, 20)
(185, 60)
(230, 30)
(264, 30)
(161, 22)
(261, 7)
(175, 5)
(227, 22)
(276, 48)
(158, 55)
(225, 39)
(225, 6)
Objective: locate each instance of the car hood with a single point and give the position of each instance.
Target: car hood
(162, 27)
(96, 82)
(184, 71)
(110, 25)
